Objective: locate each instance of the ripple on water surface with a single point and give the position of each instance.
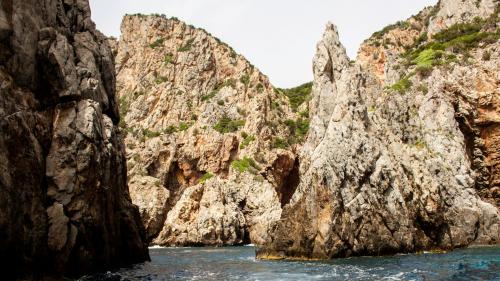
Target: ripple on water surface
(239, 263)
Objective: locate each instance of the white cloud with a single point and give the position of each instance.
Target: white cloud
(278, 36)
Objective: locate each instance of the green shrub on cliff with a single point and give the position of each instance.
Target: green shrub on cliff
(298, 130)
(458, 30)
(186, 47)
(298, 95)
(157, 43)
(275, 105)
(260, 88)
(161, 79)
(246, 164)
(245, 79)
(246, 141)
(208, 96)
(227, 125)
(205, 177)
(228, 83)
(423, 88)
(280, 143)
(183, 126)
(169, 58)
(399, 24)
(427, 58)
(486, 56)
(402, 85)
(459, 38)
(147, 133)
(123, 107)
(170, 130)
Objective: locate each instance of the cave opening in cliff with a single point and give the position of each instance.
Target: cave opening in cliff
(290, 184)
(246, 232)
(468, 133)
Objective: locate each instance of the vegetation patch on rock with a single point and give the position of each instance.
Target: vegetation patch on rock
(298, 130)
(298, 95)
(402, 85)
(186, 47)
(228, 125)
(157, 43)
(246, 164)
(457, 39)
(205, 177)
(247, 139)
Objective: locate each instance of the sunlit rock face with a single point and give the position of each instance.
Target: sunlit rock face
(402, 153)
(64, 201)
(210, 143)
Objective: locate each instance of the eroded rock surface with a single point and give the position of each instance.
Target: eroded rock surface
(400, 149)
(450, 12)
(64, 202)
(210, 143)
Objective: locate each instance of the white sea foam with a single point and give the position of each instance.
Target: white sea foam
(396, 277)
(156, 247)
(169, 247)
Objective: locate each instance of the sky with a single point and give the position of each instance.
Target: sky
(277, 36)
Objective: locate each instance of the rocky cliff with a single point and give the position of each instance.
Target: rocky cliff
(64, 202)
(210, 143)
(403, 143)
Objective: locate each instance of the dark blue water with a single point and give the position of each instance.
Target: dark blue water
(239, 263)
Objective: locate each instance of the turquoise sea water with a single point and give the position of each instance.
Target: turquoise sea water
(239, 263)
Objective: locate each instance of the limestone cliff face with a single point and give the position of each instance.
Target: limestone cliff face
(64, 202)
(450, 12)
(399, 148)
(476, 102)
(210, 143)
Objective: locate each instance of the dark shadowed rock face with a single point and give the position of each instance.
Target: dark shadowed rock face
(64, 202)
(391, 168)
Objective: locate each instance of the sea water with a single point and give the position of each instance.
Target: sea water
(239, 263)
